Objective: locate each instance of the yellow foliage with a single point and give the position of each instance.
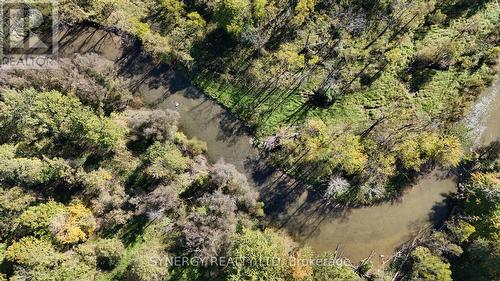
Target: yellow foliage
(139, 28)
(30, 251)
(79, 224)
(485, 179)
(259, 9)
(347, 152)
(196, 21)
(451, 151)
(302, 11)
(410, 154)
(71, 234)
(429, 144)
(288, 56)
(446, 150)
(301, 267)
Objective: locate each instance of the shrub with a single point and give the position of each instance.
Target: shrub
(108, 252)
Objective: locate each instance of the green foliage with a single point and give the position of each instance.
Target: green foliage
(416, 151)
(386, 70)
(70, 268)
(387, 80)
(30, 251)
(303, 9)
(483, 203)
(461, 231)
(148, 263)
(37, 219)
(13, 202)
(317, 146)
(56, 117)
(470, 241)
(108, 252)
(33, 171)
(192, 146)
(252, 246)
(429, 267)
(232, 15)
(480, 261)
(26, 171)
(164, 161)
(333, 272)
(38, 260)
(68, 224)
(171, 11)
(259, 9)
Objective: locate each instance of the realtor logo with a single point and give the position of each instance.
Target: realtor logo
(27, 34)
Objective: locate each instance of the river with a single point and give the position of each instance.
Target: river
(290, 205)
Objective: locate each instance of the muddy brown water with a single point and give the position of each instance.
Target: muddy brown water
(290, 204)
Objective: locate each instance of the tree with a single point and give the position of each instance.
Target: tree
(193, 147)
(318, 149)
(259, 9)
(428, 267)
(37, 220)
(337, 186)
(164, 161)
(331, 271)
(31, 252)
(33, 172)
(26, 171)
(479, 261)
(226, 178)
(303, 9)
(108, 252)
(232, 15)
(153, 125)
(77, 226)
(148, 263)
(13, 202)
(209, 229)
(262, 255)
(56, 117)
(106, 194)
(158, 202)
(93, 79)
(66, 224)
(35, 259)
(483, 202)
(446, 150)
(171, 12)
(70, 268)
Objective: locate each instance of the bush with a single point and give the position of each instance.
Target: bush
(193, 147)
(209, 229)
(108, 252)
(148, 264)
(164, 161)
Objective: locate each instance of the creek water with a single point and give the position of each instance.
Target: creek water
(290, 205)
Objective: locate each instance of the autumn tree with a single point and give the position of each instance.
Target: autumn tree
(210, 227)
(264, 256)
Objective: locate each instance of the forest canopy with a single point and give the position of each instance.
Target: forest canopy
(356, 98)
(388, 80)
(105, 191)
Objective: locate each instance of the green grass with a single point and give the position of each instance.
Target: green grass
(266, 114)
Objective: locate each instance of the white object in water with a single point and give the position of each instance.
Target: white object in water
(176, 104)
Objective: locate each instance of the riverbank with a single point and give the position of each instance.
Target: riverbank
(289, 204)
